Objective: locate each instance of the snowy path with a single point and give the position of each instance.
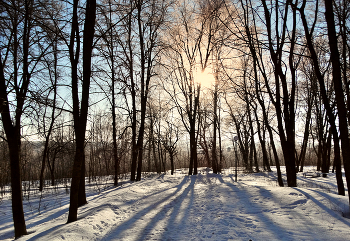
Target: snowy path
(203, 207)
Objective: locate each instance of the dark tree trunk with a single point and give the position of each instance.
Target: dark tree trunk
(326, 153)
(193, 148)
(272, 142)
(269, 129)
(243, 146)
(204, 145)
(80, 114)
(164, 160)
(156, 162)
(16, 182)
(115, 148)
(43, 162)
(149, 146)
(252, 46)
(82, 195)
(266, 163)
(13, 130)
(134, 150)
(338, 89)
(144, 91)
(220, 146)
(47, 139)
(307, 129)
(14, 144)
(192, 113)
(314, 57)
(172, 164)
(140, 150)
(252, 142)
(214, 153)
(284, 110)
(52, 167)
(114, 126)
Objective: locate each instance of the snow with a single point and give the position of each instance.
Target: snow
(181, 207)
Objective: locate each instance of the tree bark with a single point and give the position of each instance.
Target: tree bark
(77, 194)
(338, 89)
(286, 131)
(13, 129)
(214, 153)
(328, 108)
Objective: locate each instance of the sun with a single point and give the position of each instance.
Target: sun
(205, 78)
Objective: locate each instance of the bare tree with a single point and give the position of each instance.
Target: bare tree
(139, 46)
(169, 140)
(338, 89)
(18, 64)
(320, 77)
(77, 194)
(53, 69)
(210, 46)
(248, 38)
(185, 51)
(107, 29)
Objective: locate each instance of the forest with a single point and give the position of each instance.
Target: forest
(94, 88)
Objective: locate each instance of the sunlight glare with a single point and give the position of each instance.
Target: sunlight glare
(206, 78)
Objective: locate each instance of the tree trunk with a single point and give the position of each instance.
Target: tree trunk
(266, 163)
(307, 129)
(192, 147)
(285, 110)
(134, 150)
(338, 89)
(16, 182)
(47, 139)
(43, 162)
(80, 114)
(12, 130)
(214, 153)
(52, 167)
(326, 153)
(114, 128)
(328, 108)
(220, 165)
(171, 154)
(82, 195)
(252, 144)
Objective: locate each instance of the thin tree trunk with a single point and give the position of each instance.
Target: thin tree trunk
(134, 148)
(306, 132)
(214, 153)
(45, 152)
(266, 163)
(192, 148)
(257, 88)
(252, 144)
(220, 143)
(114, 128)
(285, 110)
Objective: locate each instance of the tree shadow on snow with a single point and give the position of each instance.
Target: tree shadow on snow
(252, 209)
(118, 233)
(333, 209)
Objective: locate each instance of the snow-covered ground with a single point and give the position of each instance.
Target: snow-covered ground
(181, 207)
